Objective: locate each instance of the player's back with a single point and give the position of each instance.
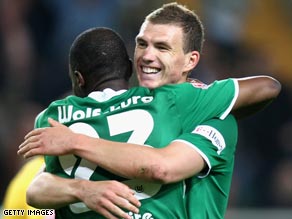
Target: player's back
(137, 116)
(141, 116)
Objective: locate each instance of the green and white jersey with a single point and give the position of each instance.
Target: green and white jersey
(207, 194)
(141, 116)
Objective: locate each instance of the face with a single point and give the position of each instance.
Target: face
(159, 57)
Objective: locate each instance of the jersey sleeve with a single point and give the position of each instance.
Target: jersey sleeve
(218, 98)
(51, 111)
(38, 119)
(215, 140)
(198, 104)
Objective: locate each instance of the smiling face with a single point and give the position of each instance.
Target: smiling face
(159, 56)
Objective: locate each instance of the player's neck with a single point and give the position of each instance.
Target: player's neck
(118, 84)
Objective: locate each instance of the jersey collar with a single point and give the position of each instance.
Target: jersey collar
(105, 95)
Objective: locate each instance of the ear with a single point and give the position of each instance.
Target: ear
(130, 68)
(80, 82)
(193, 58)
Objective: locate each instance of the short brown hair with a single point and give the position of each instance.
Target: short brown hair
(180, 15)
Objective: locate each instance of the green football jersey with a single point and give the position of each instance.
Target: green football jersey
(207, 194)
(141, 116)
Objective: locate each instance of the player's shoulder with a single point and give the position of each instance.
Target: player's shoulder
(182, 86)
(197, 83)
(203, 86)
(138, 90)
(223, 82)
(179, 92)
(56, 103)
(41, 118)
(67, 100)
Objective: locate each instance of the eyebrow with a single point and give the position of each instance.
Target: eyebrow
(164, 44)
(158, 43)
(139, 39)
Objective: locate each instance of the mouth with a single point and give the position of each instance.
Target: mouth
(150, 70)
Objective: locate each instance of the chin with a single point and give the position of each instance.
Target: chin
(148, 84)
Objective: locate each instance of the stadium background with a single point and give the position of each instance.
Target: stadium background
(243, 37)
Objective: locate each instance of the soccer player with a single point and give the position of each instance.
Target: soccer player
(139, 115)
(157, 70)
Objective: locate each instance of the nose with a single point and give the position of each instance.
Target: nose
(148, 54)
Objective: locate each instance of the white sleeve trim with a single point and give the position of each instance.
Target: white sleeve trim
(37, 117)
(236, 92)
(201, 153)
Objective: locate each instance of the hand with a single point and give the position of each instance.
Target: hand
(108, 198)
(55, 140)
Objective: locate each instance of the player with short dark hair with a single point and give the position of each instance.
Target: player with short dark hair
(139, 116)
(160, 58)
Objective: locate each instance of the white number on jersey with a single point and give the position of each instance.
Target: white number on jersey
(141, 123)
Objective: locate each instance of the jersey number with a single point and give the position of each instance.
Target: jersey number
(139, 122)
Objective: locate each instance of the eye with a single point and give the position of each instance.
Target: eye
(162, 47)
(141, 44)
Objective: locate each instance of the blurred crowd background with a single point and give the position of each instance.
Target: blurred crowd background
(243, 38)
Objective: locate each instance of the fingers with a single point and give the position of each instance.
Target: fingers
(29, 148)
(110, 208)
(54, 123)
(104, 212)
(30, 153)
(112, 199)
(112, 211)
(33, 133)
(127, 195)
(125, 203)
(38, 131)
(133, 204)
(29, 140)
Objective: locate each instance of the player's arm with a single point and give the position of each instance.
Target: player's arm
(191, 151)
(173, 163)
(179, 160)
(108, 198)
(147, 163)
(255, 93)
(215, 140)
(41, 186)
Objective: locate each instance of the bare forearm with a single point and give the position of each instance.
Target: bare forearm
(255, 93)
(52, 192)
(143, 162)
(107, 198)
(124, 159)
(164, 165)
